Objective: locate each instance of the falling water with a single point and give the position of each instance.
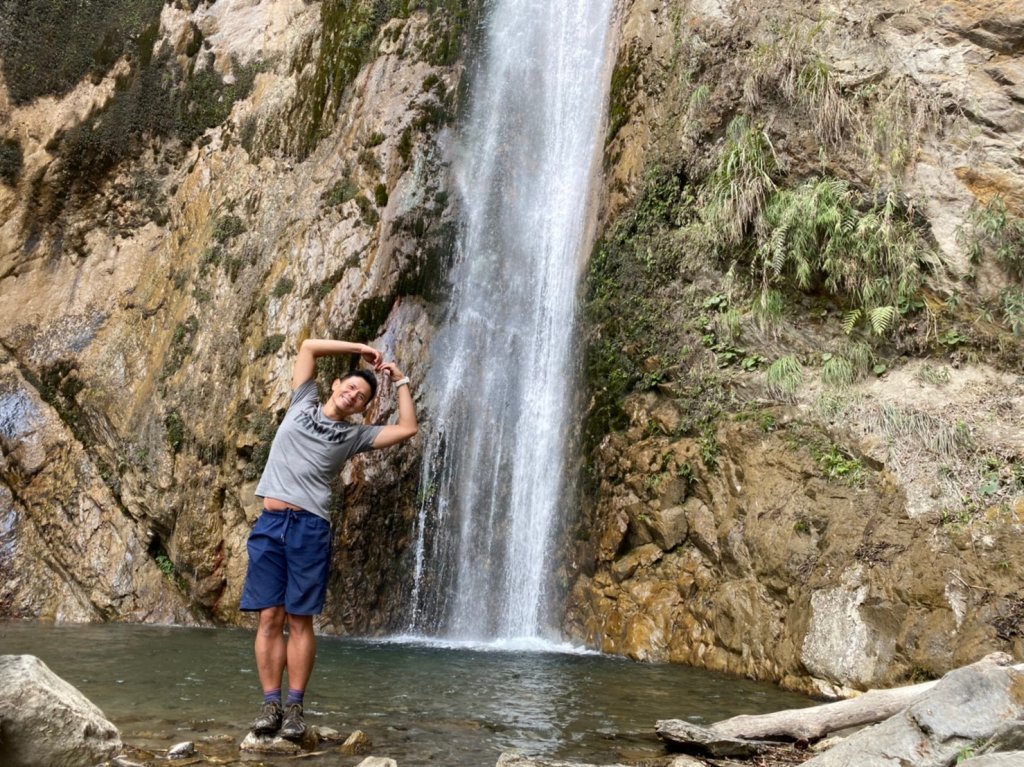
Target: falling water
(501, 388)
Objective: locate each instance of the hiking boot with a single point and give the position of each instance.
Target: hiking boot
(293, 727)
(269, 719)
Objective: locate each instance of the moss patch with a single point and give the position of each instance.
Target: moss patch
(48, 46)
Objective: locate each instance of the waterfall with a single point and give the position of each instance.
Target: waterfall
(501, 385)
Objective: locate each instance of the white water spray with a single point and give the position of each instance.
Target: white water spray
(501, 386)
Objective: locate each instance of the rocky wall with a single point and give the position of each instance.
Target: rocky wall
(750, 507)
(243, 177)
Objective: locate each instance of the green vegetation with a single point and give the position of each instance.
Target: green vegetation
(621, 93)
(350, 27)
(153, 100)
(11, 159)
(165, 564)
(270, 345)
(264, 426)
(175, 428)
(740, 185)
(180, 347)
(283, 287)
(785, 376)
(380, 195)
(837, 465)
(818, 236)
(992, 231)
(629, 304)
(405, 144)
(837, 371)
(227, 227)
(367, 211)
(710, 447)
(344, 189)
(48, 46)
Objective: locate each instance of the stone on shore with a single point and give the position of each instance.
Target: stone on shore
(44, 720)
(686, 736)
(377, 761)
(512, 759)
(966, 707)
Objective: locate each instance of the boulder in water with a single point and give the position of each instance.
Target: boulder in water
(270, 744)
(45, 720)
(358, 743)
(512, 759)
(182, 750)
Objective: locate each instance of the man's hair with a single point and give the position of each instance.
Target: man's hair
(367, 376)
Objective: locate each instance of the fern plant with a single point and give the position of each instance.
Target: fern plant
(739, 187)
(821, 236)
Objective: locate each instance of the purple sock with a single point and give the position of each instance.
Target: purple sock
(271, 695)
(295, 696)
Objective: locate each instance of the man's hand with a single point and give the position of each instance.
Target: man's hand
(371, 356)
(390, 369)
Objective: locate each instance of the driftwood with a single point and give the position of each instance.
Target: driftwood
(808, 724)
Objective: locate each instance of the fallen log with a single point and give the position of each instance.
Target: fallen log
(815, 722)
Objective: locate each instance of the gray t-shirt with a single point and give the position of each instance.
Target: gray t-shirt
(308, 451)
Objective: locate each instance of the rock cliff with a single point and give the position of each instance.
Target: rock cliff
(801, 457)
(804, 343)
(178, 215)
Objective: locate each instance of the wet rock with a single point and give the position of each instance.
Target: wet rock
(274, 744)
(377, 761)
(510, 759)
(46, 721)
(123, 761)
(357, 743)
(328, 734)
(686, 736)
(182, 750)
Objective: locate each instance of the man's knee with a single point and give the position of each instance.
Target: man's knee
(272, 620)
(300, 624)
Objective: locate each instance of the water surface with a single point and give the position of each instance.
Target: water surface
(420, 705)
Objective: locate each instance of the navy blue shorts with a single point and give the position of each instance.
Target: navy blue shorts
(289, 563)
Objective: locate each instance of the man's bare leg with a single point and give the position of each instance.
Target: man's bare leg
(301, 650)
(271, 648)
(271, 655)
(301, 657)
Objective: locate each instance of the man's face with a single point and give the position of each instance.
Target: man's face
(351, 396)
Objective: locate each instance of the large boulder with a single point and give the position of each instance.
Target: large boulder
(46, 721)
(965, 708)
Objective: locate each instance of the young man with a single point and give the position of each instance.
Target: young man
(290, 544)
